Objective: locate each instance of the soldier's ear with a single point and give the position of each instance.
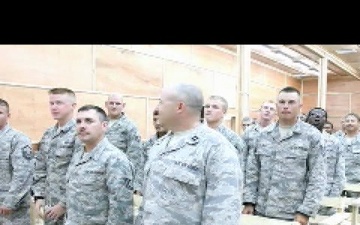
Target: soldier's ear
(124, 104)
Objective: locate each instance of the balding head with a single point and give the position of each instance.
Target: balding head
(116, 96)
(180, 103)
(115, 105)
(190, 95)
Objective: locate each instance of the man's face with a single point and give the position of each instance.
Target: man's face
(351, 124)
(214, 111)
(158, 127)
(327, 128)
(316, 117)
(4, 116)
(246, 124)
(167, 109)
(268, 111)
(114, 106)
(61, 106)
(288, 106)
(89, 127)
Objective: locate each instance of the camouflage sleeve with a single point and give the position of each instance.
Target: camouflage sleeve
(339, 179)
(145, 147)
(40, 173)
(241, 148)
(245, 154)
(22, 166)
(120, 185)
(222, 201)
(135, 154)
(251, 177)
(316, 178)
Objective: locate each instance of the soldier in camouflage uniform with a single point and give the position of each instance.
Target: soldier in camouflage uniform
(100, 177)
(215, 110)
(16, 163)
(160, 131)
(123, 133)
(285, 174)
(192, 176)
(265, 121)
(53, 157)
(335, 162)
(341, 133)
(351, 145)
(328, 127)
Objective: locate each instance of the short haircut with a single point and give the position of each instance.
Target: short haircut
(99, 111)
(61, 91)
(247, 119)
(316, 108)
(290, 89)
(222, 100)
(191, 95)
(5, 103)
(328, 122)
(353, 114)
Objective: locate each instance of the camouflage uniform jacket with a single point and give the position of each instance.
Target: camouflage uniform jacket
(124, 135)
(250, 138)
(16, 164)
(196, 180)
(352, 159)
(100, 187)
(286, 175)
(52, 161)
(335, 165)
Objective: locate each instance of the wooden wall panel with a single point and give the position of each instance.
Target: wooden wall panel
(310, 86)
(206, 57)
(29, 109)
(309, 102)
(136, 71)
(127, 72)
(296, 83)
(355, 103)
(267, 76)
(260, 93)
(225, 86)
(276, 80)
(178, 73)
(177, 53)
(135, 110)
(91, 98)
(338, 105)
(343, 85)
(47, 65)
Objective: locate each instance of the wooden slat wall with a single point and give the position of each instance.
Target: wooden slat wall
(343, 96)
(137, 71)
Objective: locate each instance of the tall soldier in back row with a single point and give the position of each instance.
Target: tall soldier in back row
(285, 174)
(53, 157)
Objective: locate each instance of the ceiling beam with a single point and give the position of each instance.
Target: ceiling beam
(333, 59)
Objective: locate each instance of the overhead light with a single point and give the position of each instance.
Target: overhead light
(344, 51)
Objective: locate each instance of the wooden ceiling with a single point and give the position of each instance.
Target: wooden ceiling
(343, 60)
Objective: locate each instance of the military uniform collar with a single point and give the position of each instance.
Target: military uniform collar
(96, 152)
(70, 124)
(192, 138)
(5, 129)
